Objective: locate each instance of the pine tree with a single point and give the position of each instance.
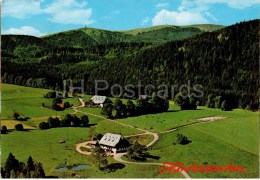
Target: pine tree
(11, 163)
(30, 164)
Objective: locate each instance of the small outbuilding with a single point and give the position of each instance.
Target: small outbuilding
(114, 143)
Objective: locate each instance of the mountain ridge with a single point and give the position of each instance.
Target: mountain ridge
(156, 34)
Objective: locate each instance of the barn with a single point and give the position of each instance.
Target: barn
(114, 143)
(98, 100)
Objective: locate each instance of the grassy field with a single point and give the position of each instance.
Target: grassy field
(28, 102)
(175, 117)
(231, 140)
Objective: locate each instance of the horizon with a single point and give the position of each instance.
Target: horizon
(126, 30)
(44, 17)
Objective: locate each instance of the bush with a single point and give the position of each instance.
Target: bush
(53, 122)
(185, 102)
(4, 130)
(44, 125)
(67, 105)
(84, 120)
(218, 101)
(76, 122)
(19, 127)
(50, 95)
(98, 136)
(211, 101)
(57, 100)
(181, 139)
(16, 115)
(225, 106)
(198, 103)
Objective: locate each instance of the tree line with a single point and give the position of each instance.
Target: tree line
(13, 168)
(68, 121)
(142, 106)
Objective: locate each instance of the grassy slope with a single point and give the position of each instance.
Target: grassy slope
(233, 140)
(27, 102)
(204, 27)
(206, 148)
(43, 145)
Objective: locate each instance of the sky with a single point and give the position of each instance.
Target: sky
(41, 17)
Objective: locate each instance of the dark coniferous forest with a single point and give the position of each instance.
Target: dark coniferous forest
(224, 62)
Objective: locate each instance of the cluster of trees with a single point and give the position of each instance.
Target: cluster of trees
(137, 152)
(143, 106)
(16, 169)
(68, 121)
(220, 55)
(102, 162)
(225, 103)
(186, 102)
(25, 81)
(58, 105)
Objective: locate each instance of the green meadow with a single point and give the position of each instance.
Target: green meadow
(231, 140)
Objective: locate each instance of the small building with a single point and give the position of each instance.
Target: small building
(114, 143)
(142, 97)
(61, 105)
(98, 100)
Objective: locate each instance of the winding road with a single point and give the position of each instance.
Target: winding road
(118, 156)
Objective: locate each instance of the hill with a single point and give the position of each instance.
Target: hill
(158, 34)
(223, 61)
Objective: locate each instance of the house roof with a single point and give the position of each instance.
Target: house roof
(61, 105)
(98, 99)
(110, 139)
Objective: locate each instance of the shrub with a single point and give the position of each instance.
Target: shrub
(44, 125)
(3, 130)
(16, 115)
(84, 120)
(181, 139)
(67, 105)
(98, 136)
(211, 101)
(53, 122)
(225, 106)
(218, 101)
(50, 95)
(185, 102)
(19, 127)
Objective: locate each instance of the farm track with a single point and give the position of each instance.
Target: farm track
(118, 156)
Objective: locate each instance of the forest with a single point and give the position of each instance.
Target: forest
(224, 62)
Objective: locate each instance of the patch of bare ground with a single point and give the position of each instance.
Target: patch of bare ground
(212, 118)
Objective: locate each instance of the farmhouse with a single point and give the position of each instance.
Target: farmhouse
(98, 100)
(114, 143)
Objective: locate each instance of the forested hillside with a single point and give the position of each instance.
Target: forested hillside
(223, 61)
